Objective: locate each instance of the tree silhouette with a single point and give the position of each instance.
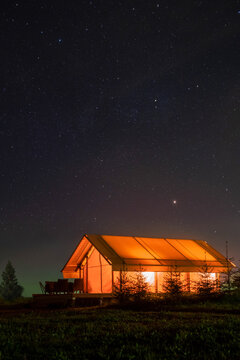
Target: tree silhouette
(173, 285)
(9, 287)
(235, 278)
(123, 287)
(130, 286)
(206, 285)
(140, 287)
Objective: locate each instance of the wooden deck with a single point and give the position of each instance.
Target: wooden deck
(65, 300)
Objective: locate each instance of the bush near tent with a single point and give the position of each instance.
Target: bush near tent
(206, 285)
(140, 287)
(123, 287)
(235, 279)
(173, 285)
(131, 286)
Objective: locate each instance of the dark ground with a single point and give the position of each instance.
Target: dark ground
(204, 330)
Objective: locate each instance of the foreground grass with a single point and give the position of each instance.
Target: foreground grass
(119, 334)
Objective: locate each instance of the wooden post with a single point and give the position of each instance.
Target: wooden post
(86, 274)
(100, 261)
(84, 283)
(156, 282)
(188, 282)
(217, 280)
(120, 276)
(112, 281)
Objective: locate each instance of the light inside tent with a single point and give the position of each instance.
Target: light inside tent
(149, 276)
(212, 276)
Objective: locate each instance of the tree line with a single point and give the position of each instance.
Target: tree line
(137, 287)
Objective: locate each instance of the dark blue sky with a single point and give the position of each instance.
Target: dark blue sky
(110, 111)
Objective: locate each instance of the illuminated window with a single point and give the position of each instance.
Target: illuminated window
(149, 276)
(212, 276)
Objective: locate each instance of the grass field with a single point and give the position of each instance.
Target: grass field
(176, 332)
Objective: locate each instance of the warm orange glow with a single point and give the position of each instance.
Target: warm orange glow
(127, 247)
(150, 248)
(99, 258)
(99, 273)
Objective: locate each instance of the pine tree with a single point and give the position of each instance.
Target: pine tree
(206, 285)
(235, 278)
(140, 286)
(173, 285)
(123, 287)
(9, 288)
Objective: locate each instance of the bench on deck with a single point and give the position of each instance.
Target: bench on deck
(62, 286)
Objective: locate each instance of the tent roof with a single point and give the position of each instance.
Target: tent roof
(132, 253)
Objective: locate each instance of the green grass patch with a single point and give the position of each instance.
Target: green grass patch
(119, 334)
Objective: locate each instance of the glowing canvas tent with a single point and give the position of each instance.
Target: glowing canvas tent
(99, 259)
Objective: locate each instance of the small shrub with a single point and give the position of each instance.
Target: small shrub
(235, 279)
(123, 287)
(206, 286)
(173, 285)
(140, 287)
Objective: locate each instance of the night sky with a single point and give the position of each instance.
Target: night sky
(116, 117)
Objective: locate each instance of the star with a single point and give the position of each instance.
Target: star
(94, 133)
